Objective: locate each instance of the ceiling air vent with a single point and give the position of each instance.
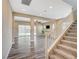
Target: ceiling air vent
(26, 2)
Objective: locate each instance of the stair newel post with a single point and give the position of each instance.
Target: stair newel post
(46, 45)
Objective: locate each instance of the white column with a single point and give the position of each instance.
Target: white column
(32, 43)
(32, 29)
(15, 34)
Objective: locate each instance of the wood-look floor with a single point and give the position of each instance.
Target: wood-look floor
(25, 48)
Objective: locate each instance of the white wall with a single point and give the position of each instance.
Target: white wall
(62, 24)
(73, 3)
(7, 29)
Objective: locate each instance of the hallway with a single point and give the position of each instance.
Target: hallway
(32, 30)
(29, 37)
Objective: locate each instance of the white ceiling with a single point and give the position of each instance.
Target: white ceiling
(53, 9)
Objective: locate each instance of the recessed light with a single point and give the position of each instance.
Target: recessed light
(40, 14)
(50, 7)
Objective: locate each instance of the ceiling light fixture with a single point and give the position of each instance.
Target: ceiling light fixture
(50, 7)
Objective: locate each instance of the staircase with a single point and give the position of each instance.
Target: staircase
(67, 47)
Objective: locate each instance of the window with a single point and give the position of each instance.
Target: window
(24, 30)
